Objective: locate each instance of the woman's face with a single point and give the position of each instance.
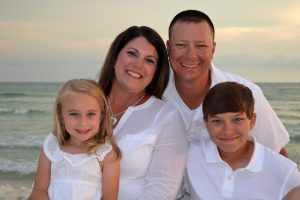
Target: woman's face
(136, 65)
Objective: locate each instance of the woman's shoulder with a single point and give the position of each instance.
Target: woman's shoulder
(164, 105)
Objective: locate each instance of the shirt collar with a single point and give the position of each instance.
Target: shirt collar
(216, 75)
(255, 164)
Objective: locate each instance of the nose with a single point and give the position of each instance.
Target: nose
(227, 127)
(83, 120)
(191, 51)
(139, 63)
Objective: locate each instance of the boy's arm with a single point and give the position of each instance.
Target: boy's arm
(42, 179)
(110, 176)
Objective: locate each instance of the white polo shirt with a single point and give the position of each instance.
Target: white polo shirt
(268, 175)
(268, 129)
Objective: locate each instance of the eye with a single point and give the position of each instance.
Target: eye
(74, 114)
(131, 53)
(216, 121)
(151, 61)
(238, 119)
(90, 114)
(200, 46)
(181, 45)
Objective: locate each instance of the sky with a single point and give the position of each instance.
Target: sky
(57, 40)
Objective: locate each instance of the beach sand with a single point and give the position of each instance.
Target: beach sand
(15, 189)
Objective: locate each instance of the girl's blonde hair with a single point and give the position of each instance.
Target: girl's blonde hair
(91, 88)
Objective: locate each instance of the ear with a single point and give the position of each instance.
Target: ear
(213, 50)
(205, 121)
(214, 47)
(168, 46)
(252, 121)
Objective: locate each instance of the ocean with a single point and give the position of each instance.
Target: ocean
(26, 119)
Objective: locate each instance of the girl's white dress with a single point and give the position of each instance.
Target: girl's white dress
(74, 176)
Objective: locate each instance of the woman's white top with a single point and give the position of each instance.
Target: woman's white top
(74, 176)
(152, 139)
(268, 175)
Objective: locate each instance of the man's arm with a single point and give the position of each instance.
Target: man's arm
(284, 152)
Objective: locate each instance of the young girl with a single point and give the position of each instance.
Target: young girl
(80, 159)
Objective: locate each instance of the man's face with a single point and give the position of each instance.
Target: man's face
(191, 49)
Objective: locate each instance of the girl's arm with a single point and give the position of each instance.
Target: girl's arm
(42, 179)
(110, 176)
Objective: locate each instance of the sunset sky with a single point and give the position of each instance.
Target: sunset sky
(62, 39)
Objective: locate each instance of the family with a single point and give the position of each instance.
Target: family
(163, 123)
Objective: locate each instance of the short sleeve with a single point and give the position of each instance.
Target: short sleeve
(293, 180)
(103, 150)
(51, 148)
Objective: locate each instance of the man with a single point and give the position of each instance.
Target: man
(191, 47)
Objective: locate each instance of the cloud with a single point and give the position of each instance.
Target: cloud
(266, 34)
(290, 15)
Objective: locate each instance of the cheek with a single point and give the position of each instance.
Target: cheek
(151, 71)
(174, 53)
(213, 130)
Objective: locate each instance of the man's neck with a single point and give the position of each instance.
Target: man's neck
(193, 93)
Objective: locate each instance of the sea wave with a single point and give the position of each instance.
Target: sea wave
(21, 167)
(18, 143)
(24, 94)
(22, 111)
(295, 138)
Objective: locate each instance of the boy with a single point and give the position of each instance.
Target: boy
(232, 164)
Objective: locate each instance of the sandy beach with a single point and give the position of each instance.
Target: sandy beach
(14, 189)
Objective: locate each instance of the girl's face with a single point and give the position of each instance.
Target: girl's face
(81, 115)
(136, 65)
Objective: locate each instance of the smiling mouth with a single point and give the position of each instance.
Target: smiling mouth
(189, 65)
(228, 139)
(135, 75)
(83, 131)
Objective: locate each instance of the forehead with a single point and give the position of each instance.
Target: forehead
(79, 98)
(183, 30)
(143, 45)
(229, 114)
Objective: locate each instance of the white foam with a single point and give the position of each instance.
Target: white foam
(22, 167)
(20, 111)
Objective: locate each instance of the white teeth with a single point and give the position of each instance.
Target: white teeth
(134, 74)
(190, 66)
(82, 131)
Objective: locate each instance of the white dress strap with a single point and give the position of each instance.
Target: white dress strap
(51, 148)
(103, 150)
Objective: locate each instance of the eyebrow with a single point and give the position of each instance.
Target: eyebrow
(92, 110)
(151, 56)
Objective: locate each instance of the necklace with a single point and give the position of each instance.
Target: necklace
(114, 119)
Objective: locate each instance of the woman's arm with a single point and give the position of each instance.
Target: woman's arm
(110, 176)
(42, 179)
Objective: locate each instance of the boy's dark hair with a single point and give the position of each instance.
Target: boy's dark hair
(228, 97)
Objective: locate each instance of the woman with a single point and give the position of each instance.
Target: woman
(149, 132)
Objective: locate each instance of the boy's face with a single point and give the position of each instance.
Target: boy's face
(229, 131)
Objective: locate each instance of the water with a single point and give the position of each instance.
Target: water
(26, 119)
